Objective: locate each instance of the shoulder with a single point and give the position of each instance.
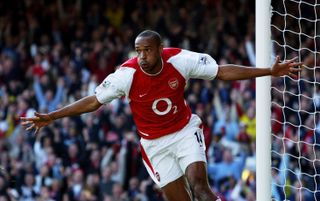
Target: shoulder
(180, 57)
(193, 64)
(170, 52)
(130, 63)
(125, 71)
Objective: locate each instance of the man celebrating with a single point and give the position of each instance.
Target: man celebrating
(172, 142)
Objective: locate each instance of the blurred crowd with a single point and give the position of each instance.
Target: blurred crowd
(55, 52)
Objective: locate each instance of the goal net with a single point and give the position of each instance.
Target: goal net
(295, 119)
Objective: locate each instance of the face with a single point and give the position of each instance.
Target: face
(149, 54)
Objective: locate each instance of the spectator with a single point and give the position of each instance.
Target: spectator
(28, 190)
(48, 101)
(118, 194)
(76, 185)
(228, 167)
(106, 182)
(43, 179)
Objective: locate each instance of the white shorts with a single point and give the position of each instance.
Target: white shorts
(166, 158)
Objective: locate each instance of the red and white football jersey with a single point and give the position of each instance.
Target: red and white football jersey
(157, 101)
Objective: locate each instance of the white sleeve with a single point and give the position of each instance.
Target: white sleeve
(195, 65)
(115, 85)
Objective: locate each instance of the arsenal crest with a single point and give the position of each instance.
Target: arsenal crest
(173, 83)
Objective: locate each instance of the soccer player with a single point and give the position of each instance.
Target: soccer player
(172, 142)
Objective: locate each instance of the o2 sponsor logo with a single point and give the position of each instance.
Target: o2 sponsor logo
(168, 102)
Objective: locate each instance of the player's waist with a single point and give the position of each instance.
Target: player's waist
(194, 123)
(151, 131)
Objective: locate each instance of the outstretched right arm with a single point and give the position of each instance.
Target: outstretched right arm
(84, 105)
(113, 86)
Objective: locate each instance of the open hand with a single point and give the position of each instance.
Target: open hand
(36, 122)
(286, 68)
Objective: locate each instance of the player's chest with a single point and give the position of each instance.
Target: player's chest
(168, 83)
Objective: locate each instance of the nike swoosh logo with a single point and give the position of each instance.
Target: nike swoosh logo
(142, 95)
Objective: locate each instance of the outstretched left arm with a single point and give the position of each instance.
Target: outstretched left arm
(237, 72)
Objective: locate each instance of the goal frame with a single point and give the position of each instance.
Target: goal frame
(263, 100)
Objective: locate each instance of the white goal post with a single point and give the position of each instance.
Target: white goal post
(263, 101)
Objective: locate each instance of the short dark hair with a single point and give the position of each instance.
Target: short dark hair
(152, 34)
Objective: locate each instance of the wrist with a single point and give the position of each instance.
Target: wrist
(270, 71)
(51, 116)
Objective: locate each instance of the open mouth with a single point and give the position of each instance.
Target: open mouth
(144, 65)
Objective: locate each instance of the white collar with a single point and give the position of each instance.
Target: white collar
(157, 72)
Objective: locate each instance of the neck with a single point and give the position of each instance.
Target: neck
(157, 70)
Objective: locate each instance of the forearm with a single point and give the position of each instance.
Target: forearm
(237, 72)
(84, 105)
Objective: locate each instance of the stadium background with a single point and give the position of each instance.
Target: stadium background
(55, 52)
